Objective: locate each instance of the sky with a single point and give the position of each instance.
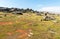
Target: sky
(40, 5)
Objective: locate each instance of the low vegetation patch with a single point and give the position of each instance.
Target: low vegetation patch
(29, 26)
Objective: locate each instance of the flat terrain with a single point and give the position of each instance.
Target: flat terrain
(28, 26)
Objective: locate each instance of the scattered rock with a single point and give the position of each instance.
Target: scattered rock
(47, 18)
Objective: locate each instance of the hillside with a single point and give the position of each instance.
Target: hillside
(28, 26)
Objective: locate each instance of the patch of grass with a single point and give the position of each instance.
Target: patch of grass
(39, 28)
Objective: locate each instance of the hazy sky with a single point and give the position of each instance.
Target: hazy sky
(42, 5)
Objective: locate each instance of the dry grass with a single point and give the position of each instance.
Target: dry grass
(16, 27)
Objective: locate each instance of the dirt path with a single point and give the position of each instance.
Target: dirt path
(6, 23)
(19, 34)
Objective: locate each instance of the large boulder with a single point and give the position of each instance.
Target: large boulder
(47, 18)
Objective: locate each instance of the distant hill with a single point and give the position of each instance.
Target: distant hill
(6, 9)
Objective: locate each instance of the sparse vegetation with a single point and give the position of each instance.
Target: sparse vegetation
(28, 26)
